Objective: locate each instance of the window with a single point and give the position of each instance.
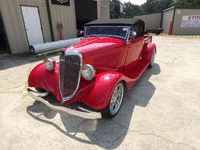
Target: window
(139, 29)
(112, 31)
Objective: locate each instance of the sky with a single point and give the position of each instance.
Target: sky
(136, 2)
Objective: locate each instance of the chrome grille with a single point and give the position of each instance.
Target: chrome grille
(69, 73)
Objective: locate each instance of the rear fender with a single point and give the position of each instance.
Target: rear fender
(148, 51)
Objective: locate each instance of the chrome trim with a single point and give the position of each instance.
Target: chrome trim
(127, 39)
(128, 42)
(64, 99)
(134, 33)
(92, 68)
(146, 39)
(153, 58)
(116, 99)
(40, 94)
(84, 113)
(52, 63)
(85, 31)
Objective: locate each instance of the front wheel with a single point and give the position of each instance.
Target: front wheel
(115, 102)
(42, 92)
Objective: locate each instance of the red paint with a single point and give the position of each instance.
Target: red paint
(103, 53)
(170, 28)
(112, 59)
(60, 34)
(134, 54)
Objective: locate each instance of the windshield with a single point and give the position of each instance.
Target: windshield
(109, 31)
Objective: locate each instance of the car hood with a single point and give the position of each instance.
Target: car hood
(103, 53)
(94, 44)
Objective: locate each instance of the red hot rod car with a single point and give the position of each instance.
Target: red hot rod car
(95, 71)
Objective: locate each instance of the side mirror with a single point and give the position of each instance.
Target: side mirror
(133, 33)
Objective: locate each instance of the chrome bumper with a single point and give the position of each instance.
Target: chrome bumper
(84, 113)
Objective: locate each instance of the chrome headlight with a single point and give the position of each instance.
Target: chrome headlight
(49, 64)
(88, 72)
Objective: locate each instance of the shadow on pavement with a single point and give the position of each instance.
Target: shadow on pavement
(13, 60)
(106, 133)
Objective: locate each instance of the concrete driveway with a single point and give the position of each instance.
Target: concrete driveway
(161, 111)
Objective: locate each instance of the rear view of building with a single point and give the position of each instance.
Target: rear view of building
(184, 21)
(24, 23)
(167, 17)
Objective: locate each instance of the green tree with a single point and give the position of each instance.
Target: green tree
(186, 3)
(147, 7)
(130, 10)
(155, 6)
(115, 8)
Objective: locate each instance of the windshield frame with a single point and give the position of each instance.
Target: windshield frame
(106, 35)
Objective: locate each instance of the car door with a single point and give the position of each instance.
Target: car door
(134, 48)
(134, 53)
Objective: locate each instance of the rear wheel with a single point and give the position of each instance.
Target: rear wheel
(115, 102)
(152, 59)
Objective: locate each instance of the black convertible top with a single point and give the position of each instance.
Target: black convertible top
(130, 21)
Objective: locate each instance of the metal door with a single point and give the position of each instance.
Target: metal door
(134, 54)
(32, 25)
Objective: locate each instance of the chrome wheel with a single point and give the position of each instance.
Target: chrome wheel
(152, 60)
(116, 99)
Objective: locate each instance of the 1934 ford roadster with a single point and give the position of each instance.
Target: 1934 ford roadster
(95, 71)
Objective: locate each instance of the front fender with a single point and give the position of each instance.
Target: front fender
(95, 93)
(48, 80)
(99, 94)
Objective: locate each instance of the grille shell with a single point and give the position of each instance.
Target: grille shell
(69, 73)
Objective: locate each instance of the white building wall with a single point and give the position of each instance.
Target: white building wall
(167, 17)
(177, 29)
(152, 21)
